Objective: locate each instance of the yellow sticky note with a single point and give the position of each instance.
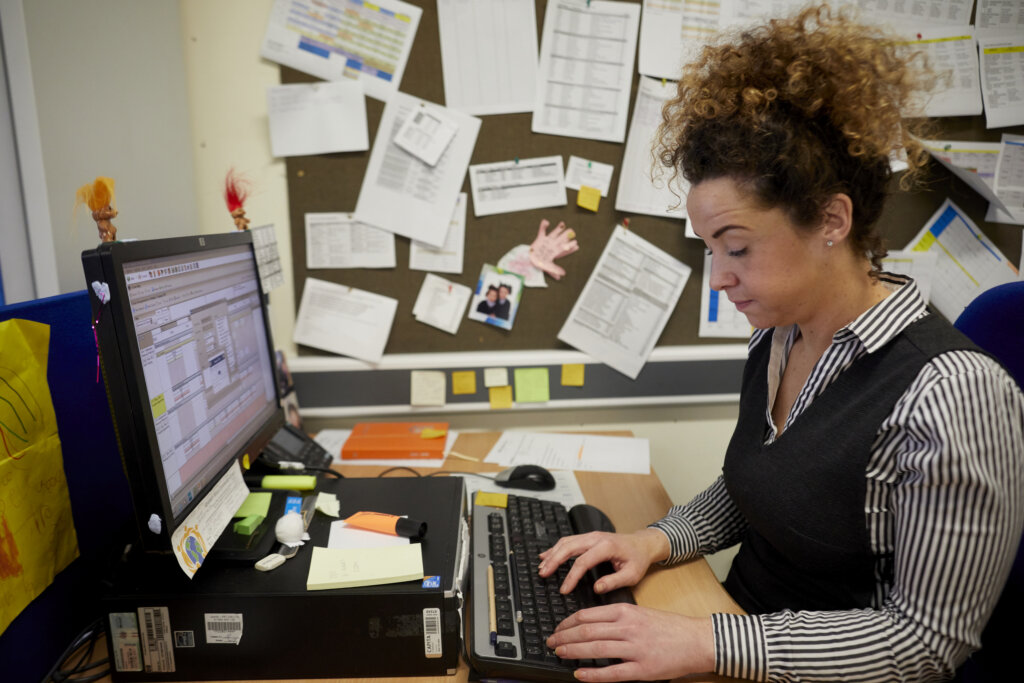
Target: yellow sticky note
(430, 433)
(494, 500)
(572, 375)
(328, 504)
(351, 567)
(464, 382)
(257, 504)
(245, 461)
(501, 397)
(532, 385)
(588, 197)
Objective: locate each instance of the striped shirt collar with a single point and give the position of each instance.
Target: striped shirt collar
(890, 316)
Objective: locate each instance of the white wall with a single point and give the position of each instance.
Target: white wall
(109, 83)
(227, 84)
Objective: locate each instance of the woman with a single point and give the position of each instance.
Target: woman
(875, 477)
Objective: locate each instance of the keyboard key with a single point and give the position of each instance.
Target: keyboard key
(506, 649)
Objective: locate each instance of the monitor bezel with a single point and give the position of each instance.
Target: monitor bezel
(130, 408)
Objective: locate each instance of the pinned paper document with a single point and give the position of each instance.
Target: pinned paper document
(344, 320)
(317, 118)
(590, 173)
(517, 185)
(427, 133)
(441, 303)
(338, 240)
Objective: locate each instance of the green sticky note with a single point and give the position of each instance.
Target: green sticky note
(532, 385)
(246, 526)
(295, 482)
(257, 503)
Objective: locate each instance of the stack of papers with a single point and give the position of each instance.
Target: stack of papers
(353, 567)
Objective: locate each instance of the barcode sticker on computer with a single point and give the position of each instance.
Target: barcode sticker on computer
(223, 628)
(432, 647)
(124, 641)
(157, 648)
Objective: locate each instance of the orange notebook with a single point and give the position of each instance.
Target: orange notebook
(404, 440)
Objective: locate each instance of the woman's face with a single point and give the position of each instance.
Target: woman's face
(769, 268)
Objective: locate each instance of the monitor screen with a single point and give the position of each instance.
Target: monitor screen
(188, 361)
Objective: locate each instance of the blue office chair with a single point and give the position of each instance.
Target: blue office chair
(995, 322)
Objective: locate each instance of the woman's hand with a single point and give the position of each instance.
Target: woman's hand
(652, 644)
(629, 554)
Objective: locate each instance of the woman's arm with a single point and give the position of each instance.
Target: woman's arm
(954, 460)
(708, 523)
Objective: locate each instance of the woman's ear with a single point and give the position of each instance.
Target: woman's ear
(837, 218)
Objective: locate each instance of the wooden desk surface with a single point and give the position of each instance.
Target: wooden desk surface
(631, 501)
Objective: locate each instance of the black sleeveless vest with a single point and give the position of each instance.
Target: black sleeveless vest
(807, 545)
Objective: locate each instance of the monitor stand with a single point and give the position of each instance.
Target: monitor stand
(235, 547)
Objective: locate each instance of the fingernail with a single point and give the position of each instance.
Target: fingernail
(560, 650)
(579, 675)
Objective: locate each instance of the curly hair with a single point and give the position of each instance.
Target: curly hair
(797, 111)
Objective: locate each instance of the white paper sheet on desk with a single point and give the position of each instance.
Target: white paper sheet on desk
(967, 263)
(718, 315)
(337, 240)
(586, 69)
(637, 192)
(587, 452)
(401, 193)
(952, 54)
(317, 118)
(567, 489)
(590, 173)
(344, 536)
(449, 256)
(1002, 80)
(626, 303)
(488, 55)
(344, 39)
(517, 185)
(344, 320)
(333, 439)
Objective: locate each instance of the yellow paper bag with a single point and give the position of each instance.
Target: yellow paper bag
(37, 534)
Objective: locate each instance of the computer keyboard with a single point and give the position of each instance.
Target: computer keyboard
(526, 608)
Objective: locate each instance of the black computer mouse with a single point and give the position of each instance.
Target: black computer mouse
(530, 477)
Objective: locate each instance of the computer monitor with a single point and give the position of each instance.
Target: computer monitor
(187, 356)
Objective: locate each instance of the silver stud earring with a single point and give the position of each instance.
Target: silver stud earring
(828, 243)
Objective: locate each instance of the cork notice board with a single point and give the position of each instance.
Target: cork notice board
(331, 183)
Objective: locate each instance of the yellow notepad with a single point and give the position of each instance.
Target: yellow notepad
(352, 567)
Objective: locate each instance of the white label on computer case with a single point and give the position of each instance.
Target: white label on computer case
(157, 646)
(432, 648)
(223, 628)
(124, 641)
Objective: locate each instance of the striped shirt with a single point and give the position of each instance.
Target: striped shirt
(944, 513)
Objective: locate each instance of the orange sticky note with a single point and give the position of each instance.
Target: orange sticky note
(464, 382)
(588, 197)
(501, 398)
(572, 375)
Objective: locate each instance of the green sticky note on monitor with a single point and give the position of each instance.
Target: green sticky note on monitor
(532, 385)
(257, 504)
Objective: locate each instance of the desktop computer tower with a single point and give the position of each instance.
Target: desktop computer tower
(233, 622)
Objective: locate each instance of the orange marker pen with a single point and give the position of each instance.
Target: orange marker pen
(388, 524)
